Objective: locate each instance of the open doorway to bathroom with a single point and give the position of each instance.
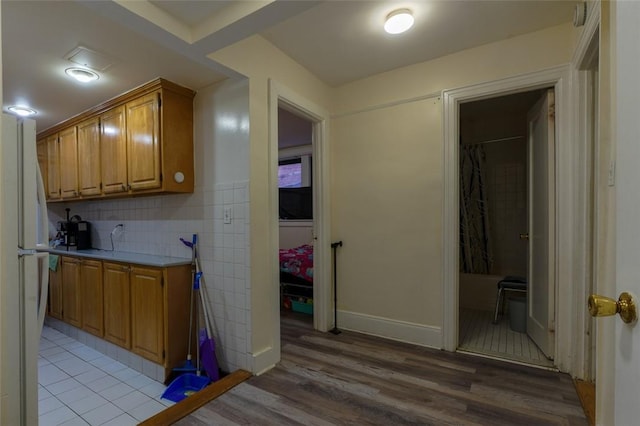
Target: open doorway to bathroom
(505, 172)
(295, 205)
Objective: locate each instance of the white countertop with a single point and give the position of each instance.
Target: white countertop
(122, 256)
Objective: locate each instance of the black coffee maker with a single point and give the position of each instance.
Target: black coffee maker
(76, 232)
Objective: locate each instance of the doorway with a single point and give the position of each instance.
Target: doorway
(502, 197)
(295, 213)
(570, 214)
(281, 99)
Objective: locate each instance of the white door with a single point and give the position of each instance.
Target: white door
(620, 356)
(541, 313)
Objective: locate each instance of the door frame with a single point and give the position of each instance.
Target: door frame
(570, 215)
(586, 51)
(281, 96)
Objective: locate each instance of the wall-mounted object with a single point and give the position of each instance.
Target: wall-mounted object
(580, 14)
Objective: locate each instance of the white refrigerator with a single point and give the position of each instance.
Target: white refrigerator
(23, 271)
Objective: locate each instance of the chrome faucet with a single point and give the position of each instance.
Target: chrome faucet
(120, 225)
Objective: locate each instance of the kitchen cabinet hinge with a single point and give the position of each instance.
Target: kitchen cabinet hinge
(163, 354)
(159, 101)
(160, 177)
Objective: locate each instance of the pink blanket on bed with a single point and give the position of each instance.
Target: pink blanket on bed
(298, 261)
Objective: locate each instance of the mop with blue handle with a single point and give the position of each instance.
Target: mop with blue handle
(207, 345)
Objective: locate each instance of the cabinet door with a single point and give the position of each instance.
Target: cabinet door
(92, 297)
(117, 306)
(41, 151)
(89, 157)
(147, 313)
(143, 142)
(53, 167)
(68, 140)
(55, 293)
(113, 148)
(71, 296)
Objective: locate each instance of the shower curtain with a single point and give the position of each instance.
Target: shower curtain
(475, 244)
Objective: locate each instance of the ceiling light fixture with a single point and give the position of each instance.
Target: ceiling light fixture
(22, 111)
(83, 75)
(398, 21)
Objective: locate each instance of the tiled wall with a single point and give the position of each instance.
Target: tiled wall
(154, 225)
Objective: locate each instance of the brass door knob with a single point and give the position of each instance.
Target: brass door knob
(625, 306)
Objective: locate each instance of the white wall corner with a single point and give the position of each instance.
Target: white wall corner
(417, 334)
(264, 360)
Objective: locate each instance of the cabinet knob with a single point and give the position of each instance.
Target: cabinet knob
(124, 188)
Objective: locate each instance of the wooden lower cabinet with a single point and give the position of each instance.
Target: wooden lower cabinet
(147, 313)
(117, 297)
(71, 291)
(160, 314)
(92, 297)
(142, 309)
(55, 292)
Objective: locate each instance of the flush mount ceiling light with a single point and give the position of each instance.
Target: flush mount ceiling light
(398, 21)
(22, 111)
(83, 75)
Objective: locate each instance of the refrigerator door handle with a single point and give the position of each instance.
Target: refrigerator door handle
(26, 252)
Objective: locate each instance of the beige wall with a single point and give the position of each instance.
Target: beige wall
(386, 174)
(517, 55)
(260, 61)
(387, 209)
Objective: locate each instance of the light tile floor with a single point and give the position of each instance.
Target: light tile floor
(80, 386)
(478, 334)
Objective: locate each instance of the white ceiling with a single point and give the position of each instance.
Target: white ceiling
(338, 41)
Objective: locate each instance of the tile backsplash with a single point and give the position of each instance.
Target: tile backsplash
(155, 224)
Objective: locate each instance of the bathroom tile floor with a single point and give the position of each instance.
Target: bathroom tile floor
(78, 385)
(479, 335)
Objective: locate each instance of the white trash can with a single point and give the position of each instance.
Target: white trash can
(518, 314)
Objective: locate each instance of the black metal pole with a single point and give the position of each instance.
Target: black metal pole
(335, 287)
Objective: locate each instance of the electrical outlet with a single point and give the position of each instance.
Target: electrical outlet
(227, 215)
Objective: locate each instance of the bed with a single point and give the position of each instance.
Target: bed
(296, 278)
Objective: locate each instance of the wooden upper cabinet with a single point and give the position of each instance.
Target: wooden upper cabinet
(113, 151)
(89, 157)
(53, 167)
(143, 140)
(68, 141)
(143, 149)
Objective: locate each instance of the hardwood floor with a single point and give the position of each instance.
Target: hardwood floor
(355, 379)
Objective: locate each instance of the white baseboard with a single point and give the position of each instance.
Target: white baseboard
(417, 334)
(264, 360)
